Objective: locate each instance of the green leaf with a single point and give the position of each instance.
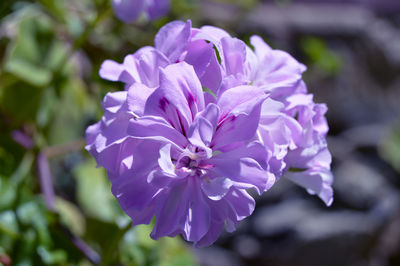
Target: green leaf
(52, 257)
(29, 72)
(8, 224)
(389, 149)
(94, 192)
(174, 252)
(34, 215)
(320, 54)
(71, 216)
(104, 237)
(21, 102)
(7, 193)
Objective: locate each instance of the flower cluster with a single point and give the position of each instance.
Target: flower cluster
(204, 118)
(129, 10)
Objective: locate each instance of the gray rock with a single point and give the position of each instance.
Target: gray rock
(215, 256)
(358, 184)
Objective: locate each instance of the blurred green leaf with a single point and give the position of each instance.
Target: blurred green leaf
(8, 224)
(21, 102)
(56, 7)
(23, 168)
(29, 72)
(71, 216)
(52, 257)
(389, 149)
(94, 192)
(8, 193)
(131, 252)
(75, 102)
(174, 252)
(5, 7)
(33, 214)
(318, 53)
(104, 236)
(46, 108)
(7, 161)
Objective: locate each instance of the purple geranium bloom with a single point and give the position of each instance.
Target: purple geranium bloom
(202, 119)
(129, 10)
(192, 161)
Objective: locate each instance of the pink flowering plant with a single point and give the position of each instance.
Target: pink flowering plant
(203, 119)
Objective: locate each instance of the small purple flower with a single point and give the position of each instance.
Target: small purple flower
(129, 10)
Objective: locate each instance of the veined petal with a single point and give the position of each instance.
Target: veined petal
(179, 97)
(240, 125)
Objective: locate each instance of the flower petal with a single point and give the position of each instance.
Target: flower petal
(203, 127)
(179, 97)
(111, 70)
(156, 128)
(173, 38)
(239, 99)
(244, 172)
(137, 97)
(316, 180)
(216, 188)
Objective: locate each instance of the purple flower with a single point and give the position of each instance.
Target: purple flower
(129, 10)
(202, 119)
(192, 162)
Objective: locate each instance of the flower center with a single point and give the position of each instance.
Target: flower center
(191, 161)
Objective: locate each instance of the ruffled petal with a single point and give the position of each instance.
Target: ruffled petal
(316, 180)
(179, 97)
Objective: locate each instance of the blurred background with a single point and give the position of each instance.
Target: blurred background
(56, 208)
